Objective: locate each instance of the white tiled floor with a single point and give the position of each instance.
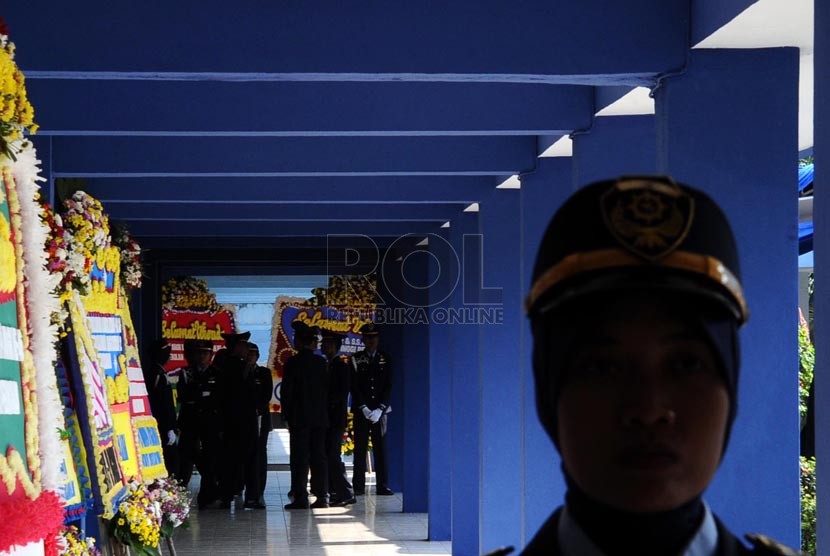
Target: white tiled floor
(373, 526)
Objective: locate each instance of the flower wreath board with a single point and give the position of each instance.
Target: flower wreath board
(28, 513)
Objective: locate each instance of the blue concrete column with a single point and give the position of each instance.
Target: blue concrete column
(393, 341)
(444, 269)
(728, 125)
(821, 256)
(502, 371)
(466, 393)
(412, 372)
(614, 146)
(543, 191)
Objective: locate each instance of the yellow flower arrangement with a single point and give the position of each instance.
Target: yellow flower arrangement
(138, 521)
(16, 112)
(187, 293)
(70, 543)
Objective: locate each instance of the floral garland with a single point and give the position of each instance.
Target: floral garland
(58, 263)
(41, 304)
(28, 379)
(137, 523)
(70, 543)
(185, 293)
(353, 291)
(86, 234)
(174, 501)
(130, 253)
(16, 112)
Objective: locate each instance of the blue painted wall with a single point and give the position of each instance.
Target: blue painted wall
(543, 191)
(502, 373)
(444, 269)
(614, 146)
(466, 393)
(729, 126)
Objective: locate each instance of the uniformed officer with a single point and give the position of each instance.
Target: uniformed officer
(239, 453)
(304, 409)
(201, 389)
(635, 307)
(262, 387)
(231, 339)
(338, 400)
(371, 391)
(162, 406)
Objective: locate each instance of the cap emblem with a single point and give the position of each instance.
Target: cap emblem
(649, 218)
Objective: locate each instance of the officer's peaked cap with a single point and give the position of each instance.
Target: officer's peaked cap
(369, 329)
(639, 232)
(233, 338)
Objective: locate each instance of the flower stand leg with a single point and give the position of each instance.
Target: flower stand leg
(171, 548)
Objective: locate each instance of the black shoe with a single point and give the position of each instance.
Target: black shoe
(384, 491)
(225, 505)
(297, 506)
(254, 506)
(320, 503)
(346, 502)
(359, 491)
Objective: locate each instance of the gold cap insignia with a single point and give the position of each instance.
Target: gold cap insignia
(649, 218)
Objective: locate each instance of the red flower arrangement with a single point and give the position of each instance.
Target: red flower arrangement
(23, 520)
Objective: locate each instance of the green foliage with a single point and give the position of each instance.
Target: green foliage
(808, 506)
(807, 362)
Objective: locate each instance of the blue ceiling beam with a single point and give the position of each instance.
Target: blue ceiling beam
(592, 41)
(186, 229)
(184, 108)
(255, 211)
(281, 190)
(290, 156)
(233, 249)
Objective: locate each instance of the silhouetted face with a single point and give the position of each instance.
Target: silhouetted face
(200, 357)
(241, 349)
(643, 408)
(371, 342)
(329, 348)
(253, 356)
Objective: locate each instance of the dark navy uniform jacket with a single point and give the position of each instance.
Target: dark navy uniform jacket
(305, 390)
(340, 370)
(547, 541)
(202, 396)
(371, 380)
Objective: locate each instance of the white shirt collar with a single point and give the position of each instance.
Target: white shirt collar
(574, 542)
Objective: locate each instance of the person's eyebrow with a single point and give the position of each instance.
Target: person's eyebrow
(595, 342)
(684, 335)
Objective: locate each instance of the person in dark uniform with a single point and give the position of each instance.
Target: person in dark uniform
(201, 390)
(239, 461)
(162, 406)
(340, 369)
(231, 339)
(635, 307)
(371, 386)
(262, 387)
(304, 403)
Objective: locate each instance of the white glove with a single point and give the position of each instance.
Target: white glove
(172, 439)
(375, 417)
(367, 412)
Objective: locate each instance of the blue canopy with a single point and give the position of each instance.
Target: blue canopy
(805, 229)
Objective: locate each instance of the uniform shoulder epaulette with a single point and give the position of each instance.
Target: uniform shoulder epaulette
(761, 544)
